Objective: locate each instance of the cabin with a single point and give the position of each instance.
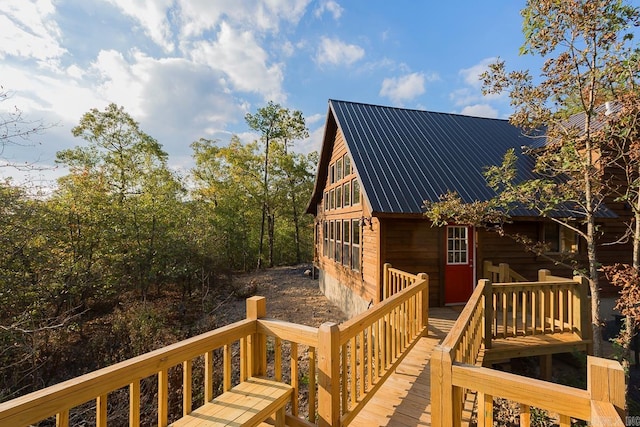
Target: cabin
(379, 164)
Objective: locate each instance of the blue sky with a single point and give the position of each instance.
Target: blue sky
(187, 69)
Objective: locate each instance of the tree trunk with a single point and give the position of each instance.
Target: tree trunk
(271, 219)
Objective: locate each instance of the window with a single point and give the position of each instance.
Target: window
(560, 239)
(355, 244)
(347, 165)
(457, 239)
(332, 174)
(332, 199)
(355, 192)
(339, 241)
(339, 197)
(325, 203)
(346, 227)
(331, 238)
(346, 191)
(325, 238)
(339, 174)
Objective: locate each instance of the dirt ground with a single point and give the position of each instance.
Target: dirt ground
(291, 295)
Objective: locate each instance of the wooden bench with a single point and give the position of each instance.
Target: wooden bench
(247, 404)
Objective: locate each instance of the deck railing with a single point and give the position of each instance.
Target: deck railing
(346, 364)
(394, 280)
(500, 273)
(496, 311)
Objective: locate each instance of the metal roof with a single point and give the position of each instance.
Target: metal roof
(403, 157)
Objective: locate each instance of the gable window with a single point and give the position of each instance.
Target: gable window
(345, 241)
(332, 174)
(339, 241)
(346, 191)
(355, 192)
(347, 165)
(560, 239)
(325, 238)
(332, 225)
(355, 244)
(339, 171)
(325, 202)
(332, 199)
(339, 197)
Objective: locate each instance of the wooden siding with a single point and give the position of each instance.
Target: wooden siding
(412, 245)
(363, 281)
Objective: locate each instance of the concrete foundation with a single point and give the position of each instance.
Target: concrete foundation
(345, 298)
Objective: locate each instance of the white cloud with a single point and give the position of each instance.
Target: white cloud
(480, 110)
(334, 51)
(331, 7)
(243, 61)
(28, 30)
(472, 74)
(152, 15)
(314, 118)
(404, 88)
(197, 16)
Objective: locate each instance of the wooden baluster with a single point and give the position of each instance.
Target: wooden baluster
(163, 397)
(134, 404)
(565, 421)
(485, 410)
(525, 415)
(514, 312)
(101, 412)
(552, 307)
(362, 361)
(371, 363)
(187, 390)
(208, 376)
(534, 312)
(353, 346)
(312, 385)
(345, 378)
(505, 313)
(62, 418)
(277, 359)
(226, 370)
(542, 311)
(295, 378)
(244, 368)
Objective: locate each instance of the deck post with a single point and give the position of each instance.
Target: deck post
(606, 382)
(386, 283)
(329, 375)
(542, 275)
(487, 293)
(257, 351)
(503, 273)
(584, 311)
(425, 304)
(442, 396)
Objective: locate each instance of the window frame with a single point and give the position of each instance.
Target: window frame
(356, 247)
(355, 184)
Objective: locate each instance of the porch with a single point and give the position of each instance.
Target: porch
(399, 363)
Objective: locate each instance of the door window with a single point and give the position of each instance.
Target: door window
(457, 245)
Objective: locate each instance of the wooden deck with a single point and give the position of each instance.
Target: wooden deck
(404, 398)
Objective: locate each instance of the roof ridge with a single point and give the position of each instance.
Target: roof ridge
(331, 100)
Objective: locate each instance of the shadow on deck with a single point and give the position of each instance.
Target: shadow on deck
(404, 400)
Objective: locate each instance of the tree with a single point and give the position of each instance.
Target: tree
(137, 194)
(584, 43)
(278, 125)
(17, 130)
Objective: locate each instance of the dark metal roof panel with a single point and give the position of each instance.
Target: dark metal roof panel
(403, 157)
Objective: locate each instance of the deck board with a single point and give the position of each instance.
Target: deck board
(404, 400)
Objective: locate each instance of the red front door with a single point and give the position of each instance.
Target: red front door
(459, 256)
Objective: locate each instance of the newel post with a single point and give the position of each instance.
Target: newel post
(329, 375)
(584, 312)
(443, 405)
(606, 382)
(425, 303)
(543, 274)
(386, 283)
(487, 293)
(257, 351)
